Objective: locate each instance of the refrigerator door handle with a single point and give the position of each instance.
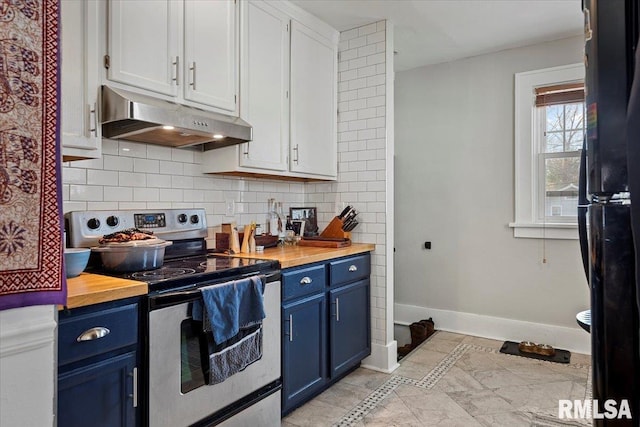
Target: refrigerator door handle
(583, 203)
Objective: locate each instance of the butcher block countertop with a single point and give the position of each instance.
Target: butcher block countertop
(89, 289)
(293, 256)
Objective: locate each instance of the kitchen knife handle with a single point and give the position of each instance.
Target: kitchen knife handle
(176, 65)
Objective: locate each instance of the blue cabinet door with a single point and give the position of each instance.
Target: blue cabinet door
(349, 330)
(304, 362)
(101, 394)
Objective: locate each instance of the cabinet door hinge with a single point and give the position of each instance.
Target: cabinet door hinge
(107, 61)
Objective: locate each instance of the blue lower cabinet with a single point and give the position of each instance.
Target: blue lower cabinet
(326, 325)
(99, 395)
(304, 368)
(349, 331)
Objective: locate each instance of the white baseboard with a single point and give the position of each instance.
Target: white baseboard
(497, 328)
(383, 358)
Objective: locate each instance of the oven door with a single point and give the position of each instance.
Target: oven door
(178, 395)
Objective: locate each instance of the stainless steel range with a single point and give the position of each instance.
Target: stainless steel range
(178, 387)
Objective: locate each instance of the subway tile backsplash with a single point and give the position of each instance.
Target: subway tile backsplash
(133, 175)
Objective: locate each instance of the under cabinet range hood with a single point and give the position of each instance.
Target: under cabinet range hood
(135, 117)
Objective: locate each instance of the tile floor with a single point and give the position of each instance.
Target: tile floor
(452, 380)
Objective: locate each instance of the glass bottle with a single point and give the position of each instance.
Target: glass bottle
(272, 218)
(281, 219)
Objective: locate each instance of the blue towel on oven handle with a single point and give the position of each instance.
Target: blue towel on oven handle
(231, 306)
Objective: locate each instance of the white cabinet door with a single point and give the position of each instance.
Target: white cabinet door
(265, 86)
(144, 38)
(80, 130)
(211, 51)
(313, 103)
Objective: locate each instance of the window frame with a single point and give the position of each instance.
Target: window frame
(527, 222)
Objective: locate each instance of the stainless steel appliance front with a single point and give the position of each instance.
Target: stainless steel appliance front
(178, 398)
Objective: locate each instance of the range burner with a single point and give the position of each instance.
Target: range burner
(162, 273)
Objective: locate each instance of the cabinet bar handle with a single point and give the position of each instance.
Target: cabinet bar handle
(291, 327)
(246, 149)
(306, 280)
(134, 396)
(193, 75)
(176, 65)
(295, 150)
(93, 334)
(337, 309)
(93, 124)
(353, 268)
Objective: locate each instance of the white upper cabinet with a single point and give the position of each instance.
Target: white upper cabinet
(144, 40)
(80, 131)
(314, 108)
(184, 49)
(210, 49)
(294, 144)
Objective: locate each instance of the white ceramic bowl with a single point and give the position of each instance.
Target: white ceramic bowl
(75, 260)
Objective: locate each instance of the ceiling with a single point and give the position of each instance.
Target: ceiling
(434, 31)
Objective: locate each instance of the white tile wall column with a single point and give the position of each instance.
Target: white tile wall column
(365, 168)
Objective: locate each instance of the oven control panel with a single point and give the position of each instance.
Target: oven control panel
(153, 220)
(85, 228)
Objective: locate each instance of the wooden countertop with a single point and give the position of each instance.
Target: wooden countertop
(293, 256)
(89, 289)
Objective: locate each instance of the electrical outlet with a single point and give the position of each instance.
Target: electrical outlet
(231, 207)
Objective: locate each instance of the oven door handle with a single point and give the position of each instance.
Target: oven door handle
(192, 293)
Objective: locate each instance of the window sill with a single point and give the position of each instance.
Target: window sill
(562, 231)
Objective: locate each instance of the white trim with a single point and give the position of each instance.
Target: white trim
(26, 329)
(498, 328)
(383, 358)
(526, 187)
(545, 231)
(307, 19)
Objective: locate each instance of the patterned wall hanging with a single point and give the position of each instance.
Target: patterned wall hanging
(31, 250)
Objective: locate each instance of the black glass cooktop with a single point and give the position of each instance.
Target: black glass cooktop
(197, 271)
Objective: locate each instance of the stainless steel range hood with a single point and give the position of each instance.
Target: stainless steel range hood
(135, 117)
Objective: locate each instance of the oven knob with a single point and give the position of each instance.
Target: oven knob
(182, 218)
(195, 219)
(112, 221)
(93, 223)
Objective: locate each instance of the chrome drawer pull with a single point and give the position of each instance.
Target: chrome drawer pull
(353, 268)
(134, 395)
(290, 327)
(337, 309)
(93, 334)
(305, 280)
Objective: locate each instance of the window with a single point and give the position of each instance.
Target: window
(549, 128)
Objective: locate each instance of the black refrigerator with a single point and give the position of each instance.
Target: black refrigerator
(609, 212)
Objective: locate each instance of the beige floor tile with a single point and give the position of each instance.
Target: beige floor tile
(434, 408)
(484, 342)
(480, 402)
(366, 378)
(505, 419)
(410, 369)
(391, 411)
(315, 414)
(438, 345)
(423, 356)
(541, 396)
(478, 361)
(497, 378)
(344, 395)
(457, 380)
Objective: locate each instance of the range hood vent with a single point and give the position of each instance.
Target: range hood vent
(141, 118)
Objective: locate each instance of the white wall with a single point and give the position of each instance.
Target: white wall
(455, 187)
(363, 148)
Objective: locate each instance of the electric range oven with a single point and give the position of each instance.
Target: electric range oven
(175, 353)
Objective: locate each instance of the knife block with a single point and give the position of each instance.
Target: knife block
(334, 229)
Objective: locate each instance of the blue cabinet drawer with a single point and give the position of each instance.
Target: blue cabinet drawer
(303, 281)
(349, 269)
(94, 333)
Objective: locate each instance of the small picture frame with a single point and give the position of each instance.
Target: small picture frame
(309, 215)
(298, 226)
